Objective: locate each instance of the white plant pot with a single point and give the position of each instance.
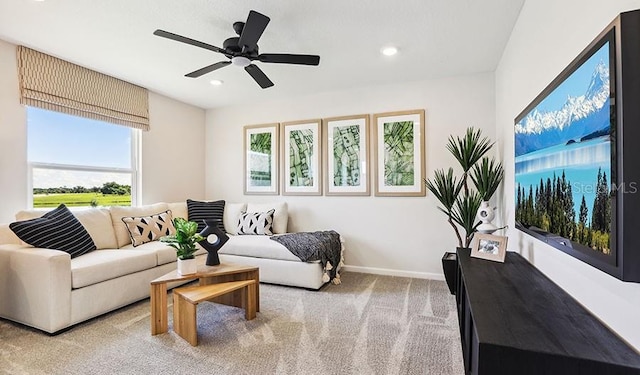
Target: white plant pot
(187, 266)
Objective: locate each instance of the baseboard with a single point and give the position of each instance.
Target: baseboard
(390, 272)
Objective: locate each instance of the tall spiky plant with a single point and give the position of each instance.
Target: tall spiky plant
(459, 202)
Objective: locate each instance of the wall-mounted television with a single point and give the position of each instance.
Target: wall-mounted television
(577, 155)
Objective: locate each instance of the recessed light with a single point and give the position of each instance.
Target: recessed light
(216, 82)
(389, 51)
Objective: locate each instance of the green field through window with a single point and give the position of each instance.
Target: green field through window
(80, 200)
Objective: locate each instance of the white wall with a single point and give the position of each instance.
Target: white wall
(13, 137)
(547, 36)
(172, 151)
(396, 235)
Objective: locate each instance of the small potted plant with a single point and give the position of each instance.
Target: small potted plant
(184, 241)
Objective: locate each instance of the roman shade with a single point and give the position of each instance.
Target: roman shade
(54, 84)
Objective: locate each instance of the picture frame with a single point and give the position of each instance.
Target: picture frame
(346, 155)
(399, 153)
(489, 247)
(261, 147)
(301, 157)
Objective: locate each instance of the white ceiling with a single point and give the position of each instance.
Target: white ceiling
(436, 38)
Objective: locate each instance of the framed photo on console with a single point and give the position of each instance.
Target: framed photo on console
(301, 167)
(489, 247)
(261, 159)
(346, 155)
(399, 153)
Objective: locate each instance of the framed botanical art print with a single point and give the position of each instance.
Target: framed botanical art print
(399, 153)
(301, 158)
(346, 155)
(261, 159)
(489, 246)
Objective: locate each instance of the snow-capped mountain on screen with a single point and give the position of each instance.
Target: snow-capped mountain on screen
(580, 116)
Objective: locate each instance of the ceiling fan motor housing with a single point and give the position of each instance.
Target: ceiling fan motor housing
(237, 27)
(231, 44)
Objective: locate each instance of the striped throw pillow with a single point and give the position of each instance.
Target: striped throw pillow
(198, 211)
(57, 229)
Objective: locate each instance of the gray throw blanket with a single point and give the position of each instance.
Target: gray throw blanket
(309, 246)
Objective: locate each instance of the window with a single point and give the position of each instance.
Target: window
(79, 161)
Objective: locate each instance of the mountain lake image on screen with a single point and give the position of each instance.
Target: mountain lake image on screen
(563, 157)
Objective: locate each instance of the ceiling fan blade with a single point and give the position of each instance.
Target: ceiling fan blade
(285, 58)
(259, 76)
(253, 29)
(207, 69)
(183, 39)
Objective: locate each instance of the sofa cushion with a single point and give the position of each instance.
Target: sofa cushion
(257, 223)
(280, 217)
(232, 213)
(57, 229)
(164, 253)
(257, 247)
(199, 211)
(97, 221)
(102, 265)
(118, 212)
(179, 209)
(14, 246)
(29, 214)
(143, 229)
(7, 236)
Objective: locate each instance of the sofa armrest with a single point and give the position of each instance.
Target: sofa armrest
(7, 236)
(36, 286)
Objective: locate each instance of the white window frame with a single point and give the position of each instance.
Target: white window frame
(136, 188)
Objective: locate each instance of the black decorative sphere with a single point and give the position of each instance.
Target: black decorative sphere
(214, 239)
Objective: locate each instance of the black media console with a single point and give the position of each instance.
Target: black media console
(514, 320)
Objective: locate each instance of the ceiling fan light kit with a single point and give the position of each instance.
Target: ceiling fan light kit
(243, 50)
(389, 51)
(240, 61)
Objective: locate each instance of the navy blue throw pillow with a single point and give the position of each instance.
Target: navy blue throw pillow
(199, 211)
(57, 229)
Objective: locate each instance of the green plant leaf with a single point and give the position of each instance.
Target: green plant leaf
(486, 177)
(470, 149)
(445, 187)
(185, 238)
(464, 213)
(169, 239)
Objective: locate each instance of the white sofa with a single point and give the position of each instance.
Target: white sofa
(46, 289)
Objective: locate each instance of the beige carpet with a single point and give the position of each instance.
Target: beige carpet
(368, 325)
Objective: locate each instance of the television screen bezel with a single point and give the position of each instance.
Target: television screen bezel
(604, 262)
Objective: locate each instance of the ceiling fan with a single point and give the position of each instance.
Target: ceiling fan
(243, 50)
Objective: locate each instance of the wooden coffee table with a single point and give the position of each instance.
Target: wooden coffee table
(223, 272)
